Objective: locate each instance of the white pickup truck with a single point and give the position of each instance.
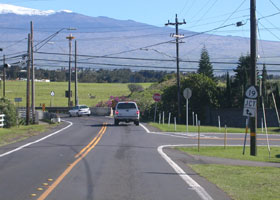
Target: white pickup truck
(126, 112)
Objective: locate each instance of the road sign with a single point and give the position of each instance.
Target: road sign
(250, 107)
(187, 93)
(19, 99)
(249, 112)
(52, 93)
(252, 92)
(250, 103)
(157, 97)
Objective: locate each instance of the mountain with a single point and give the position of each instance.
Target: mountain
(6, 8)
(99, 36)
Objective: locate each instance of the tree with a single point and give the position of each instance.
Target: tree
(205, 67)
(135, 88)
(8, 108)
(264, 85)
(204, 95)
(228, 92)
(241, 80)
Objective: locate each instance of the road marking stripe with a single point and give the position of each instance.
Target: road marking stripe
(68, 169)
(192, 183)
(39, 140)
(86, 147)
(180, 135)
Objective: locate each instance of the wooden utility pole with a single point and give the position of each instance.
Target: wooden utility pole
(70, 38)
(177, 36)
(28, 82)
(76, 77)
(33, 73)
(253, 75)
(4, 77)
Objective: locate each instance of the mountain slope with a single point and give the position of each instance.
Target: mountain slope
(107, 36)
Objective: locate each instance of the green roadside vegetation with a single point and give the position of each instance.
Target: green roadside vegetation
(240, 182)
(235, 152)
(88, 93)
(15, 134)
(209, 129)
(243, 182)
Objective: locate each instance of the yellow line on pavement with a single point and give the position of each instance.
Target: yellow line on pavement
(91, 145)
(86, 147)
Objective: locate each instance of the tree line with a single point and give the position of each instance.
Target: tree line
(90, 76)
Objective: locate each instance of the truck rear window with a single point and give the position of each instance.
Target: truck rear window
(126, 106)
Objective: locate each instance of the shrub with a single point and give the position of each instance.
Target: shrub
(8, 108)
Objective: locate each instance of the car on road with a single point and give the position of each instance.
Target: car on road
(79, 111)
(126, 112)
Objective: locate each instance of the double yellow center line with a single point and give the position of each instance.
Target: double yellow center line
(78, 157)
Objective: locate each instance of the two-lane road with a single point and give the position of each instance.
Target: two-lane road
(93, 159)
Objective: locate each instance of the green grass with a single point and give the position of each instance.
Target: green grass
(210, 129)
(242, 182)
(101, 91)
(236, 153)
(15, 134)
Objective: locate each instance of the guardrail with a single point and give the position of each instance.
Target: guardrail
(2, 120)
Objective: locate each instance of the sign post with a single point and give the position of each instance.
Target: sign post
(52, 95)
(156, 98)
(187, 94)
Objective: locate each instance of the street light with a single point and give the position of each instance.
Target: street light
(46, 40)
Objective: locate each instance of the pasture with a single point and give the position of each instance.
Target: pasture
(88, 93)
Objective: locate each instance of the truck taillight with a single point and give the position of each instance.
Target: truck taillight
(116, 112)
(137, 112)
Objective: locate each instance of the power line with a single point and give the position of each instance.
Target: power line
(149, 59)
(274, 5)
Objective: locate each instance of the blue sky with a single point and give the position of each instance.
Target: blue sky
(200, 15)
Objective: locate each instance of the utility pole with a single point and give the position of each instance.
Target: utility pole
(70, 38)
(76, 77)
(28, 82)
(177, 36)
(33, 73)
(4, 76)
(253, 122)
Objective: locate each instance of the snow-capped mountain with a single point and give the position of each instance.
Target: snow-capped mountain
(8, 9)
(108, 36)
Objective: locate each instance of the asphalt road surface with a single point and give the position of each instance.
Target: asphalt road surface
(89, 158)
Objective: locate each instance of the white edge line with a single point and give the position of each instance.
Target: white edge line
(39, 140)
(192, 183)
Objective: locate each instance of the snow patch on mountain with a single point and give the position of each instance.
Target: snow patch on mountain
(6, 9)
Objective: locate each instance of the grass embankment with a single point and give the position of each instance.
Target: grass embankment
(100, 91)
(241, 182)
(209, 129)
(15, 134)
(235, 153)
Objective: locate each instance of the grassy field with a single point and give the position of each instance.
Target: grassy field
(240, 182)
(15, 134)
(210, 129)
(236, 153)
(101, 91)
(243, 182)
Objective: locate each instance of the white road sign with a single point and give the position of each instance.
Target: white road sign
(187, 93)
(250, 103)
(249, 112)
(250, 107)
(251, 92)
